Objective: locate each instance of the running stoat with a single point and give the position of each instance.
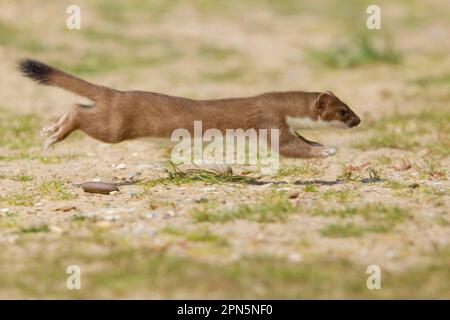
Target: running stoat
(116, 115)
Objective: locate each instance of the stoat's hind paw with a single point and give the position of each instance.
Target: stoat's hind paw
(328, 151)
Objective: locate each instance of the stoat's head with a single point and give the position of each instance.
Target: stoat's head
(329, 109)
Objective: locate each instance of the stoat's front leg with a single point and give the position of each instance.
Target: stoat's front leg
(313, 143)
(297, 147)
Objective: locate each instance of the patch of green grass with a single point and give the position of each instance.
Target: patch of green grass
(310, 188)
(341, 195)
(154, 204)
(374, 174)
(357, 51)
(407, 131)
(115, 11)
(156, 52)
(100, 35)
(348, 173)
(129, 269)
(206, 236)
(342, 230)
(351, 173)
(285, 7)
(235, 73)
(48, 159)
(178, 176)
(17, 131)
(304, 169)
(108, 36)
(377, 217)
(216, 53)
(79, 217)
(432, 169)
(433, 80)
(198, 235)
(391, 140)
(442, 220)
(9, 222)
(36, 229)
(170, 230)
(274, 208)
(22, 178)
(16, 198)
(396, 185)
(12, 37)
(122, 13)
(56, 189)
(57, 158)
(384, 160)
(7, 33)
(435, 191)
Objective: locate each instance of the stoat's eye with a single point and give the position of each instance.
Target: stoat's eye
(343, 113)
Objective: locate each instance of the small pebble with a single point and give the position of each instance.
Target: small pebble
(121, 166)
(99, 187)
(150, 215)
(133, 175)
(111, 218)
(294, 195)
(169, 215)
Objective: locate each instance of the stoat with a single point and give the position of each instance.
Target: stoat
(115, 115)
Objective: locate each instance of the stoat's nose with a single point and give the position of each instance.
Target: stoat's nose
(356, 121)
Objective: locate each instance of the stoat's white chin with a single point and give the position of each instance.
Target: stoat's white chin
(305, 123)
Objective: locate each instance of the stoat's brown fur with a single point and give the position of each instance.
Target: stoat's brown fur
(117, 115)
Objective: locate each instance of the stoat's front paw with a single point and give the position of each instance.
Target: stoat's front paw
(328, 151)
(49, 130)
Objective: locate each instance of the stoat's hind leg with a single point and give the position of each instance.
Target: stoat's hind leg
(59, 130)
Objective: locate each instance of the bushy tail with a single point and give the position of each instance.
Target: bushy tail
(45, 74)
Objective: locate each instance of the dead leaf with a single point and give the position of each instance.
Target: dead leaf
(403, 165)
(65, 208)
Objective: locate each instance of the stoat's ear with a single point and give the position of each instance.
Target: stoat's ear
(322, 100)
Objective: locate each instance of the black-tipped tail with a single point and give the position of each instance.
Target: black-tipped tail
(35, 70)
(48, 75)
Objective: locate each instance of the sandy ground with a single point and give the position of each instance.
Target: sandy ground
(382, 200)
